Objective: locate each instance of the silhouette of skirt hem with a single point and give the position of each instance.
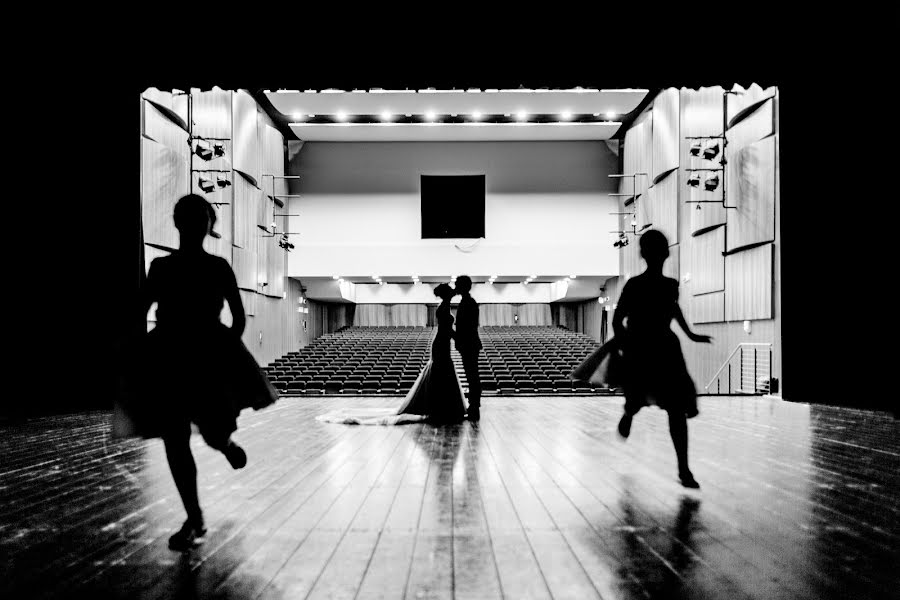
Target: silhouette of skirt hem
(435, 397)
(651, 373)
(206, 378)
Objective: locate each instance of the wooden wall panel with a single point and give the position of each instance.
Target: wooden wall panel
(247, 212)
(172, 102)
(275, 267)
(751, 188)
(671, 268)
(702, 113)
(263, 247)
(741, 104)
(707, 308)
(164, 179)
(272, 158)
(245, 135)
(224, 215)
(708, 262)
(211, 113)
(662, 206)
(245, 263)
(756, 126)
(159, 128)
(249, 300)
(666, 133)
(748, 284)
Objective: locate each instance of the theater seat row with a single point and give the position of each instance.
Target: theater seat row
(387, 360)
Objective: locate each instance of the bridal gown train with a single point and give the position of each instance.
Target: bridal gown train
(436, 396)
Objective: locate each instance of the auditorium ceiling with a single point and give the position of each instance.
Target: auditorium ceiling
(377, 115)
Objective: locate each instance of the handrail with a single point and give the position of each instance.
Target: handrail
(730, 356)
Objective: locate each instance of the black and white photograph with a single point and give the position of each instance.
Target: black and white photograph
(414, 315)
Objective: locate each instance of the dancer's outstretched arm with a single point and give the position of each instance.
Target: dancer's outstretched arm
(682, 322)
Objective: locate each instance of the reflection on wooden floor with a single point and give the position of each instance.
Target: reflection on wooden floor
(540, 500)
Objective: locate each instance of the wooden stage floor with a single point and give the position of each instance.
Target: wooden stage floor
(541, 499)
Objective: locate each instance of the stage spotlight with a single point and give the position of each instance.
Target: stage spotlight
(694, 179)
(203, 150)
(695, 148)
(711, 151)
(219, 149)
(223, 181)
(206, 184)
(712, 182)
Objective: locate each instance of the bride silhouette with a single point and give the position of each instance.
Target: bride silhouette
(436, 396)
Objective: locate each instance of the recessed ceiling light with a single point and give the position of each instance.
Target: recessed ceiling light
(341, 116)
(476, 115)
(430, 115)
(596, 114)
(375, 277)
(572, 276)
(566, 115)
(522, 115)
(386, 116)
(335, 277)
(311, 116)
(298, 116)
(610, 114)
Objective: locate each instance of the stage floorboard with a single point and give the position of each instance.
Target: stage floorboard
(541, 499)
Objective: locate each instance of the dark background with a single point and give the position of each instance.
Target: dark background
(452, 206)
(73, 228)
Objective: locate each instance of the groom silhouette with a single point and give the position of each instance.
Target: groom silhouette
(468, 344)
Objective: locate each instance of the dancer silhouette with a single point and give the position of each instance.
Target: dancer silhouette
(436, 396)
(645, 356)
(191, 368)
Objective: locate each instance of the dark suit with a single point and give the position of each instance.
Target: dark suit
(469, 346)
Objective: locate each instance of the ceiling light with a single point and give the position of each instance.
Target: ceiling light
(386, 116)
(341, 116)
(521, 115)
(711, 151)
(430, 115)
(375, 277)
(335, 277)
(298, 116)
(476, 115)
(532, 276)
(572, 276)
(694, 179)
(566, 115)
(596, 114)
(311, 116)
(610, 114)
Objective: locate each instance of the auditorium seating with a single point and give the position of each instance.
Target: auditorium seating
(387, 360)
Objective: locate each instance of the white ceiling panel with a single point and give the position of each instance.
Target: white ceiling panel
(453, 132)
(456, 102)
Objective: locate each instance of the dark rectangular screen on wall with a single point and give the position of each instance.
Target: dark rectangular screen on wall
(452, 206)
